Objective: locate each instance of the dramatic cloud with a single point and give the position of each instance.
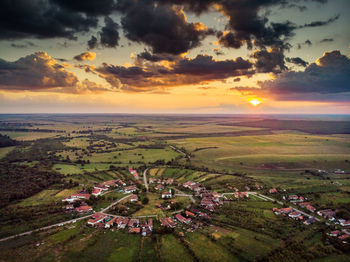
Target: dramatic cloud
(40, 72)
(269, 61)
(162, 27)
(328, 77)
(35, 72)
(41, 19)
(91, 7)
(93, 42)
(297, 61)
(201, 69)
(109, 33)
(89, 56)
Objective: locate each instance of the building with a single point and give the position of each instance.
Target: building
(96, 192)
(345, 223)
(110, 222)
(83, 209)
(96, 218)
(167, 222)
(182, 219)
(294, 215)
(159, 187)
(130, 189)
(134, 198)
(166, 195)
(273, 191)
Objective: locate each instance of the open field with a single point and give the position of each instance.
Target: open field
(222, 153)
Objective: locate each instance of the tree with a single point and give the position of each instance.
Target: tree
(145, 200)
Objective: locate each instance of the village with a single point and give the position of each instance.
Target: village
(199, 212)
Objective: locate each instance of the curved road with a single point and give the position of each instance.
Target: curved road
(61, 223)
(145, 178)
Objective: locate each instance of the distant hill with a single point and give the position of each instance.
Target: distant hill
(313, 127)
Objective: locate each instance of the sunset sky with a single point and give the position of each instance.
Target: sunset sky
(175, 56)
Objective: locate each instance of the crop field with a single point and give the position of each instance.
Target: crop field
(221, 153)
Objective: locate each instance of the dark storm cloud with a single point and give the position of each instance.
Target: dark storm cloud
(267, 61)
(109, 33)
(146, 55)
(297, 61)
(329, 76)
(41, 19)
(198, 70)
(204, 65)
(92, 43)
(162, 27)
(92, 7)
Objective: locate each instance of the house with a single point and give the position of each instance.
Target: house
(188, 184)
(69, 207)
(110, 223)
(273, 191)
(166, 195)
(285, 210)
(82, 209)
(204, 215)
(150, 223)
(133, 222)
(159, 187)
(247, 188)
(130, 189)
(167, 222)
(169, 181)
(293, 197)
(96, 218)
(327, 213)
(96, 192)
(189, 214)
(345, 223)
(207, 202)
(134, 198)
(182, 219)
(152, 180)
(122, 222)
(80, 196)
(310, 208)
(294, 215)
(305, 204)
(310, 221)
(335, 233)
(343, 237)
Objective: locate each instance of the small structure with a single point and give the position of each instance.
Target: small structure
(182, 219)
(96, 218)
(83, 209)
(166, 195)
(134, 198)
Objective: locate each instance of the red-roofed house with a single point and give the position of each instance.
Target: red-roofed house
(183, 219)
(96, 218)
(96, 192)
(82, 209)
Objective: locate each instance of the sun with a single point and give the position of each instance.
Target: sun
(255, 102)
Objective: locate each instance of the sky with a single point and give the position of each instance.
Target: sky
(175, 56)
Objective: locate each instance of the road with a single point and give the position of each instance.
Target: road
(183, 194)
(181, 152)
(145, 178)
(61, 223)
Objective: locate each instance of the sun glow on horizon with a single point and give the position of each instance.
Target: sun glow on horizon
(255, 102)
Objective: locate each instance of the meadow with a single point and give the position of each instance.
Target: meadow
(219, 152)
